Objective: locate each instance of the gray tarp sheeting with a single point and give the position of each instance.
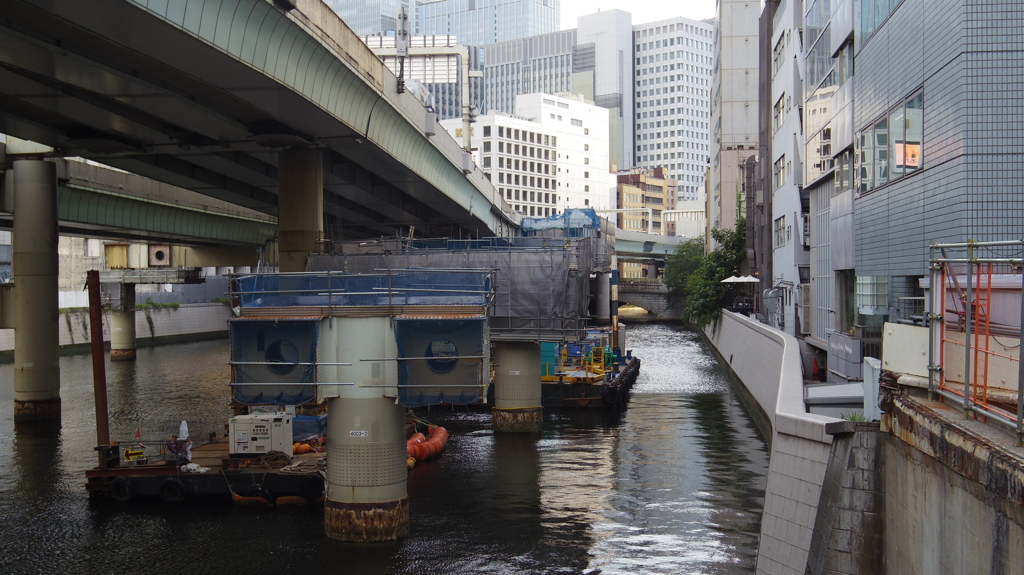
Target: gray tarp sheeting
(541, 284)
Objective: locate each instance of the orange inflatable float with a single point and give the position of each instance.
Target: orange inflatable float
(420, 447)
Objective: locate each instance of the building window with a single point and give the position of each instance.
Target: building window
(487, 146)
(487, 161)
(577, 123)
(487, 131)
(586, 148)
(777, 55)
(892, 147)
(778, 114)
(780, 232)
(779, 172)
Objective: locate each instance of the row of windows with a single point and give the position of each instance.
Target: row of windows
(517, 150)
(531, 181)
(678, 27)
(537, 211)
(893, 146)
(667, 42)
(510, 164)
(529, 196)
(523, 136)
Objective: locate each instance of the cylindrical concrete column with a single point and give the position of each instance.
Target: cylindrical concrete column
(300, 199)
(366, 471)
(36, 340)
(604, 296)
(122, 324)
(517, 391)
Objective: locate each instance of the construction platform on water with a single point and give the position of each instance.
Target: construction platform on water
(255, 480)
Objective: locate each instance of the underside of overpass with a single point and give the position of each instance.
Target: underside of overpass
(205, 94)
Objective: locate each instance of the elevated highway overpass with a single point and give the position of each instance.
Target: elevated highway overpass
(209, 95)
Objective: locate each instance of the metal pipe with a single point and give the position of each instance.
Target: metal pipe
(931, 332)
(980, 244)
(284, 363)
(99, 372)
(980, 410)
(1020, 368)
(980, 260)
(437, 357)
(967, 332)
(424, 386)
(279, 384)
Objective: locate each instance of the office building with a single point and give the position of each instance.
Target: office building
(551, 156)
(672, 87)
(542, 63)
(479, 22)
(734, 105)
(368, 17)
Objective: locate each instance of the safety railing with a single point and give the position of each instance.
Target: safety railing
(975, 322)
(391, 287)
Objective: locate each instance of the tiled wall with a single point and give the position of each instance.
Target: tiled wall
(969, 58)
(767, 363)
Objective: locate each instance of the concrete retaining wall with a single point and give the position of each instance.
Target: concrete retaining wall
(849, 531)
(189, 321)
(766, 363)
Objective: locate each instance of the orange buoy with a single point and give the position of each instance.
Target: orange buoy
(430, 447)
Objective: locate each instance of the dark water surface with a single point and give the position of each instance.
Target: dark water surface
(675, 484)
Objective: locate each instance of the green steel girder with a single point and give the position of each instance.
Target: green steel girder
(80, 205)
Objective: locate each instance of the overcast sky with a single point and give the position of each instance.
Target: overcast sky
(643, 11)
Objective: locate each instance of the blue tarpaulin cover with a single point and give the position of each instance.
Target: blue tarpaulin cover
(275, 351)
(436, 379)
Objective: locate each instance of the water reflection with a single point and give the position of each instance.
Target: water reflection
(674, 484)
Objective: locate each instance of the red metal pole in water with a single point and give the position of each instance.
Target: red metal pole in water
(99, 370)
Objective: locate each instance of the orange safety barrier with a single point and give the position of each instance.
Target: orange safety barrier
(420, 447)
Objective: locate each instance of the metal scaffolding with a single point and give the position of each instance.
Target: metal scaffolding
(977, 298)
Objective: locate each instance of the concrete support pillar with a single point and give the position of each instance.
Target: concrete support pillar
(517, 390)
(604, 295)
(300, 207)
(122, 324)
(366, 471)
(36, 341)
(652, 269)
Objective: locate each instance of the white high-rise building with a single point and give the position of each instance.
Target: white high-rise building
(585, 178)
(672, 88)
(734, 126)
(790, 231)
(552, 156)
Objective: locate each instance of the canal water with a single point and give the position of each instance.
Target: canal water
(675, 484)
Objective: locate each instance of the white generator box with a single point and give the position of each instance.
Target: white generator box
(260, 433)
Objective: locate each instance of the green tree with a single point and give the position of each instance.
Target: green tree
(705, 293)
(681, 264)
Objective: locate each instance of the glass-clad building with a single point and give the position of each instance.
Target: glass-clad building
(479, 22)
